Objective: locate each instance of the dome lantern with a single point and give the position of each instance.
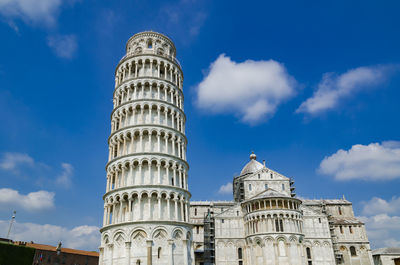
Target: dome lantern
(252, 166)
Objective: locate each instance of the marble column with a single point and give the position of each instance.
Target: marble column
(171, 252)
(185, 251)
(149, 244)
(127, 253)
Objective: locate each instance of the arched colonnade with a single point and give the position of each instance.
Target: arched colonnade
(145, 205)
(146, 66)
(280, 222)
(144, 140)
(148, 89)
(141, 113)
(146, 172)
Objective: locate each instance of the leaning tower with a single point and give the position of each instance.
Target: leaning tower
(146, 203)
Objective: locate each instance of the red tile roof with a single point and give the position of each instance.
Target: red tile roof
(53, 248)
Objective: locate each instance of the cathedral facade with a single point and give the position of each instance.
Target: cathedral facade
(266, 224)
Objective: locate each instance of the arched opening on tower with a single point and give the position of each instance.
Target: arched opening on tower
(159, 252)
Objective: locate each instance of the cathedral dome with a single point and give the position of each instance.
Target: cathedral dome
(252, 166)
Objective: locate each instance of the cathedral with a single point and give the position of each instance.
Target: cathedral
(148, 217)
(267, 224)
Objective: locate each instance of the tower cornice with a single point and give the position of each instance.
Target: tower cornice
(151, 187)
(146, 127)
(145, 100)
(138, 154)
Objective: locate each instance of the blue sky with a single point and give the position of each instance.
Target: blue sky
(309, 86)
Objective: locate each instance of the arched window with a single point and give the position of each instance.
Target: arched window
(283, 186)
(340, 210)
(259, 176)
(240, 256)
(138, 262)
(240, 253)
(308, 253)
(277, 225)
(195, 211)
(271, 176)
(351, 229)
(149, 44)
(266, 186)
(353, 251)
(159, 252)
(341, 229)
(197, 229)
(111, 214)
(308, 250)
(281, 223)
(249, 187)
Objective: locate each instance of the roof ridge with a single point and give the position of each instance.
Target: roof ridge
(66, 250)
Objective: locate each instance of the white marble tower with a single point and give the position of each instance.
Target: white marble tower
(146, 203)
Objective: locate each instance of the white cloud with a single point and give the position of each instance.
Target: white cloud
(33, 201)
(37, 12)
(250, 90)
(11, 161)
(367, 162)
(81, 237)
(64, 179)
(382, 230)
(64, 46)
(226, 189)
(391, 242)
(379, 206)
(381, 222)
(40, 12)
(333, 88)
(24, 164)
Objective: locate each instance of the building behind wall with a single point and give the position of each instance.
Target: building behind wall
(266, 224)
(386, 256)
(25, 253)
